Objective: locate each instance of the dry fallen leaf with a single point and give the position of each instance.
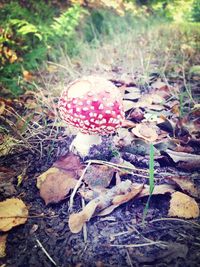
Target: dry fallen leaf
(43, 176)
(185, 184)
(183, 206)
(120, 199)
(98, 176)
(57, 185)
(70, 162)
(137, 114)
(145, 132)
(128, 124)
(134, 191)
(158, 190)
(77, 220)
(184, 160)
(13, 212)
(3, 245)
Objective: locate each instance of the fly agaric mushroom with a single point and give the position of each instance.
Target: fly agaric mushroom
(93, 105)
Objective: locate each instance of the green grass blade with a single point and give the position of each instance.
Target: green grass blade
(151, 182)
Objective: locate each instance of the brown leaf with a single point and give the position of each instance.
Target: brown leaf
(3, 245)
(44, 175)
(185, 160)
(13, 212)
(77, 220)
(185, 184)
(134, 191)
(128, 124)
(98, 176)
(183, 206)
(145, 132)
(137, 114)
(158, 190)
(70, 162)
(57, 185)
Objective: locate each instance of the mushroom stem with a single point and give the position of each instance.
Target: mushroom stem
(83, 142)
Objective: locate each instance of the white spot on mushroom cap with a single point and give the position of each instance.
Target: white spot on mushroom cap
(101, 106)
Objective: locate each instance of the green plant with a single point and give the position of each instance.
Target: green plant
(151, 182)
(195, 13)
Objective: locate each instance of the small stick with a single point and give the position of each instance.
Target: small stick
(71, 200)
(138, 245)
(84, 226)
(117, 165)
(175, 219)
(46, 253)
(129, 258)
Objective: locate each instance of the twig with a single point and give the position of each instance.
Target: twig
(129, 258)
(175, 219)
(117, 165)
(138, 245)
(71, 200)
(84, 226)
(46, 253)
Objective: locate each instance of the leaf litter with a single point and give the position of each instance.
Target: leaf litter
(106, 187)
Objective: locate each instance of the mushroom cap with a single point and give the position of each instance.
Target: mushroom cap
(93, 105)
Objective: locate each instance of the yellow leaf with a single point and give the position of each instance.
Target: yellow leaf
(183, 206)
(2, 107)
(43, 176)
(27, 76)
(13, 212)
(3, 245)
(77, 220)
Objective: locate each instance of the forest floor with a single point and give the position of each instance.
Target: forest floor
(37, 168)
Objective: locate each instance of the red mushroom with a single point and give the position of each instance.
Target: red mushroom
(94, 106)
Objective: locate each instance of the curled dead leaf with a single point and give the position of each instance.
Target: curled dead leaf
(183, 206)
(184, 160)
(158, 190)
(134, 191)
(77, 220)
(145, 132)
(185, 184)
(13, 212)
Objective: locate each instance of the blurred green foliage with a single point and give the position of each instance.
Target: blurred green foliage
(32, 32)
(196, 11)
(29, 35)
